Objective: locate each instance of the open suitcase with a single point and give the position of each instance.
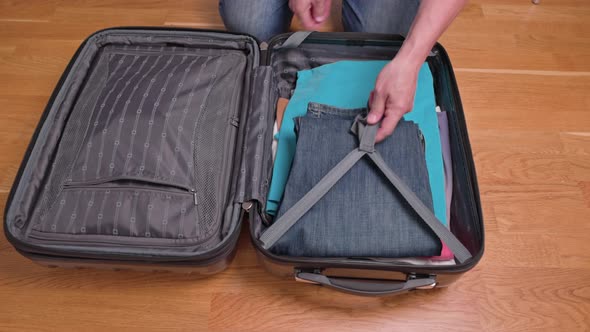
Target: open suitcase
(155, 147)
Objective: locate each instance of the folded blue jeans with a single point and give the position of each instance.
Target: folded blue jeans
(347, 84)
(362, 215)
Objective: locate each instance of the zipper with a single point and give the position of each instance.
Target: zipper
(357, 39)
(51, 238)
(207, 259)
(93, 185)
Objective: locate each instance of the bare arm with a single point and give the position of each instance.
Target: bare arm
(396, 84)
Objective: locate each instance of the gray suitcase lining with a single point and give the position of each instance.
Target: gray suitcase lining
(139, 145)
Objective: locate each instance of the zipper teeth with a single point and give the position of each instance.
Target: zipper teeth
(131, 179)
(180, 191)
(58, 238)
(212, 257)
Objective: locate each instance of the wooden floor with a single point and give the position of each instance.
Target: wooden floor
(524, 76)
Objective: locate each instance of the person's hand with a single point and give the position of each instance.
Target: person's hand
(393, 95)
(311, 13)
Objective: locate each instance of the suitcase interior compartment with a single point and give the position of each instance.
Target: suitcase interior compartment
(138, 155)
(319, 49)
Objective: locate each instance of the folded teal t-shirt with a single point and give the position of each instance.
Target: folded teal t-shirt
(348, 84)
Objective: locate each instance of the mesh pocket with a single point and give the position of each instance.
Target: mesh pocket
(138, 129)
(211, 140)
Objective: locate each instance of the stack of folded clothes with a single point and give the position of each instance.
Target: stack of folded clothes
(362, 208)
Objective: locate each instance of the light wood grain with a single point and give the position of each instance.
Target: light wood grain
(524, 77)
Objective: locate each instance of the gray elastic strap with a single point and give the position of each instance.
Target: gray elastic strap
(286, 221)
(295, 39)
(366, 133)
(461, 253)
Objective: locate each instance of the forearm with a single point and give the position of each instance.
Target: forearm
(432, 19)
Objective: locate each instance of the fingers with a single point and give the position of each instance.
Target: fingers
(307, 21)
(320, 10)
(302, 9)
(311, 13)
(377, 106)
(394, 110)
(388, 124)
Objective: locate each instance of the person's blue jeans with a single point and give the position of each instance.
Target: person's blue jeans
(266, 18)
(362, 215)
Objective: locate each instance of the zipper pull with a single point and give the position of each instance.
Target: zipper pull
(195, 196)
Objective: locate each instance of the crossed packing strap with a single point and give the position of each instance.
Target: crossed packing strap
(366, 134)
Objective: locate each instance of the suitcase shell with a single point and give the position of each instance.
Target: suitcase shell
(270, 72)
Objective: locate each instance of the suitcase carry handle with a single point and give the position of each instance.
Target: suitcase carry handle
(366, 287)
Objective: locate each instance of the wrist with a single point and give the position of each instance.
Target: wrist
(412, 54)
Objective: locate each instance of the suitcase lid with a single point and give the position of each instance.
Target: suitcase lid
(40, 162)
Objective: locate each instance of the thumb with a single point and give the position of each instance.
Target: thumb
(320, 10)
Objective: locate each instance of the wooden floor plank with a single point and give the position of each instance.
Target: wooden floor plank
(525, 102)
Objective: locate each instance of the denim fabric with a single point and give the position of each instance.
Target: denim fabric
(347, 84)
(363, 215)
(259, 18)
(384, 16)
(266, 18)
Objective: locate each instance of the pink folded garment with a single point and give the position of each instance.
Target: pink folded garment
(445, 254)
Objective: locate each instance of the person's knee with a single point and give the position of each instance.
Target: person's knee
(236, 16)
(383, 16)
(262, 19)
